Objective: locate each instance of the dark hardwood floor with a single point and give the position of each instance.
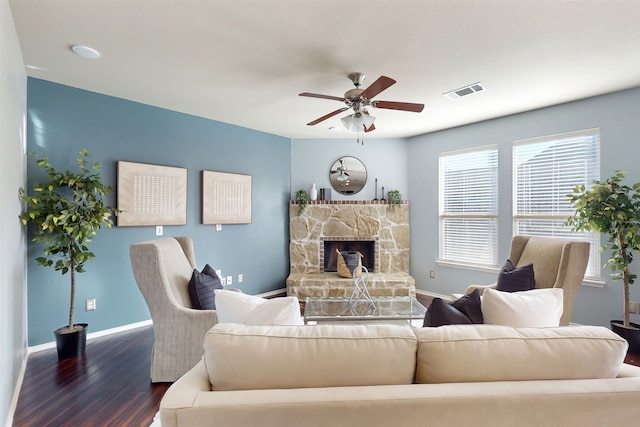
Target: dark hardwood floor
(108, 386)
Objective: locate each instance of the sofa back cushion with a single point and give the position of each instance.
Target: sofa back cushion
(245, 357)
(474, 353)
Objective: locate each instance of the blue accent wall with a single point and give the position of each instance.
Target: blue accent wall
(64, 120)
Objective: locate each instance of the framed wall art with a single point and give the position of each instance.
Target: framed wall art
(151, 194)
(226, 198)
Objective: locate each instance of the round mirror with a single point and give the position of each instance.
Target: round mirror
(348, 175)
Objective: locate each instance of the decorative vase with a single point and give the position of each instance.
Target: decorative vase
(313, 193)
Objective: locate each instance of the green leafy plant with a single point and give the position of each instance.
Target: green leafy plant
(394, 198)
(302, 198)
(67, 211)
(612, 208)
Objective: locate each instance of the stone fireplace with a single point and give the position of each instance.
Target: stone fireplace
(379, 233)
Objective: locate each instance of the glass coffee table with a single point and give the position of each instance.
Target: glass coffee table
(403, 309)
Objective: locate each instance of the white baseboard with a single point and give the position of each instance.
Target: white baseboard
(92, 335)
(275, 293)
(17, 388)
(433, 294)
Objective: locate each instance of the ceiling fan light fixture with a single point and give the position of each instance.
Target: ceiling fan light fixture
(358, 121)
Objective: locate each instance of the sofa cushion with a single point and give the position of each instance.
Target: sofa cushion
(475, 353)
(537, 308)
(237, 307)
(241, 357)
(512, 279)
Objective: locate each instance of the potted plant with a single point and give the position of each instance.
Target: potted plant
(394, 198)
(613, 208)
(302, 198)
(67, 211)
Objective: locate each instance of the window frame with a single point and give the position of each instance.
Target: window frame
(560, 210)
(490, 259)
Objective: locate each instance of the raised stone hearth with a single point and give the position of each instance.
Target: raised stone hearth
(346, 221)
(332, 285)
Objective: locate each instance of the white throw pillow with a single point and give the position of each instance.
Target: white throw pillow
(537, 308)
(236, 307)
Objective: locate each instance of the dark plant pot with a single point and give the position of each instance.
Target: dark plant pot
(71, 344)
(631, 335)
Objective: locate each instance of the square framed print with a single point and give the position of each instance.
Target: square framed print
(151, 194)
(226, 198)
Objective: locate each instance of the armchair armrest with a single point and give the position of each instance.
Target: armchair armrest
(481, 288)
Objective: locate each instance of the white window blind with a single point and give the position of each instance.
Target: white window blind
(468, 206)
(545, 171)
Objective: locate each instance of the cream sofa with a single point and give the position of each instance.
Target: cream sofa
(392, 375)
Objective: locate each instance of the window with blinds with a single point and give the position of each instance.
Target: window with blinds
(545, 171)
(468, 206)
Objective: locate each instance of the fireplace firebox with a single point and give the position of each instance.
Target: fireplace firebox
(366, 247)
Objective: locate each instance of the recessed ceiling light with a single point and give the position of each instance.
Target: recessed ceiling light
(85, 51)
(335, 128)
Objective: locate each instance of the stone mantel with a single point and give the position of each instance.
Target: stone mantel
(345, 220)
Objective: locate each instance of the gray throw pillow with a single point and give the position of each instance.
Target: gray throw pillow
(512, 279)
(466, 310)
(201, 287)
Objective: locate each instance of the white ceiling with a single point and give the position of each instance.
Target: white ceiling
(245, 62)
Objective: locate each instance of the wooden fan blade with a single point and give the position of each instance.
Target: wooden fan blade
(404, 106)
(370, 128)
(378, 86)
(317, 95)
(325, 117)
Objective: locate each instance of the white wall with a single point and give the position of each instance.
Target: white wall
(617, 116)
(13, 285)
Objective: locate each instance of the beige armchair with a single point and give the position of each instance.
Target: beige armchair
(162, 269)
(557, 263)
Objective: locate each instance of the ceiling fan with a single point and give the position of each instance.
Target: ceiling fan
(358, 99)
(341, 170)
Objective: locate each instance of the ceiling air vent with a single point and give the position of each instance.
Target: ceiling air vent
(464, 91)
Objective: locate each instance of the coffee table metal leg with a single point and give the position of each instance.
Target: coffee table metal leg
(360, 290)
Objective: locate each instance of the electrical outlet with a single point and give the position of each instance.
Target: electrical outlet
(219, 273)
(633, 307)
(90, 304)
(218, 227)
(229, 280)
(159, 230)
(223, 281)
(432, 274)
(240, 278)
